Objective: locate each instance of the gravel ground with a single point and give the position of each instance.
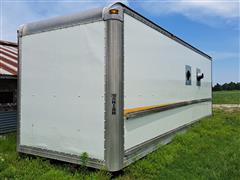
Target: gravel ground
(227, 107)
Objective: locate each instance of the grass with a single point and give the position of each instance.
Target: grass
(226, 97)
(209, 150)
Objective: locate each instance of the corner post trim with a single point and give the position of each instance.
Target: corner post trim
(19, 36)
(114, 121)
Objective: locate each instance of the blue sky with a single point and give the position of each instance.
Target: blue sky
(212, 26)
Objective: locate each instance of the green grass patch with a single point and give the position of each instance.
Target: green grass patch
(209, 150)
(226, 97)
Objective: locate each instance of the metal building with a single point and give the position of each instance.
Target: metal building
(108, 82)
(8, 86)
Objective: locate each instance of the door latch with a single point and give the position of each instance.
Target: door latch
(199, 76)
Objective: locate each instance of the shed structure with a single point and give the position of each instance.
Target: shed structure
(108, 82)
(8, 86)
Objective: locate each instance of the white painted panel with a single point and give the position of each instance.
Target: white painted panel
(62, 91)
(154, 73)
(142, 129)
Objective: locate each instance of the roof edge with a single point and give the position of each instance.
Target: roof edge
(164, 31)
(59, 22)
(8, 43)
(8, 76)
(93, 15)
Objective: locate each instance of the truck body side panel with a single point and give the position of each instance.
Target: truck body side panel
(155, 74)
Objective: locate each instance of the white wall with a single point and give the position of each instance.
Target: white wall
(154, 73)
(62, 91)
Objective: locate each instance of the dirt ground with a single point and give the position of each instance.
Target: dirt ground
(227, 107)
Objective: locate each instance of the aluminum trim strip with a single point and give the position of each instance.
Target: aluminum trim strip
(95, 163)
(60, 22)
(114, 122)
(19, 88)
(142, 111)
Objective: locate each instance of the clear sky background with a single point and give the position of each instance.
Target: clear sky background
(212, 26)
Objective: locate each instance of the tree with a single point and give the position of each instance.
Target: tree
(217, 87)
(227, 86)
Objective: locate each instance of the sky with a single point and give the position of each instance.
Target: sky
(210, 25)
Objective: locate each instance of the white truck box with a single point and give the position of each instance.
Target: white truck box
(107, 82)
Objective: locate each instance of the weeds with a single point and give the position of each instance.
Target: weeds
(226, 97)
(84, 158)
(209, 150)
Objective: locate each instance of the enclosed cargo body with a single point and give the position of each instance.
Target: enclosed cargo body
(107, 82)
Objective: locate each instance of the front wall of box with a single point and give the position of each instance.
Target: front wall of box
(154, 74)
(62, 90)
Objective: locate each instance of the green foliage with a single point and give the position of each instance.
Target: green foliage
(84, 158)
(226, 97)
(209, 150)
(227, 86)
(16, 167)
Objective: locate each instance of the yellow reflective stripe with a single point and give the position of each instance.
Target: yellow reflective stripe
(144, 108)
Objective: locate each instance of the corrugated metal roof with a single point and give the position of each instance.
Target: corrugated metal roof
(8, 58)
